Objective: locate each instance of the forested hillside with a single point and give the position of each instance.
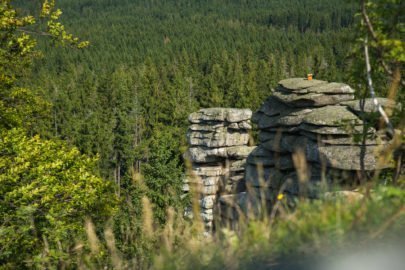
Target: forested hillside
(151, 63)
(94, 103)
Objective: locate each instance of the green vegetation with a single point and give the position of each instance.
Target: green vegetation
(152, 63)
(91, 134)
(310, 232)
(47, 190)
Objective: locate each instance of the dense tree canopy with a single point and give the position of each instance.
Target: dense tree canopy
(126, 98)
(151, 63)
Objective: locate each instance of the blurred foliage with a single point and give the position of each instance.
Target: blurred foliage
(312, 231)
(47, 190)
(381, 23)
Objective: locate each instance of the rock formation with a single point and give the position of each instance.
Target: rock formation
(218, 146)
(310, 140)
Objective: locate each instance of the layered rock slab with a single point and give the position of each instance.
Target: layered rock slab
(309, 140)
(218, 147)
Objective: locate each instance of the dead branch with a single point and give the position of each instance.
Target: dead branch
(371, 88)
(373, 34)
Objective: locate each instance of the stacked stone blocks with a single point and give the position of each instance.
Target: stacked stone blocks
(218, 146)
(309, 141)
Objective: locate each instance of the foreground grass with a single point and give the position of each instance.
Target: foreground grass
(287, 240)
(314, 230)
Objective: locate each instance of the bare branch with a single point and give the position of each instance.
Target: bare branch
(372, 32)
(367, 20)
(371, 88)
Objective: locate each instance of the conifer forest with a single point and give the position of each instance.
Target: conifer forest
(96, 110)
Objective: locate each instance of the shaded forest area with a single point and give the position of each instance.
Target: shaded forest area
(151, 63)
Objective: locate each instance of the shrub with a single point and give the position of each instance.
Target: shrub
(46, 191)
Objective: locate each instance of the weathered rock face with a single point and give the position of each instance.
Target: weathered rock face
(221, 137)
(298, 92)
(311, 99)
(218, 140)
(335, 116)
(368, 106)
(309, 140)
(298, 84)
(224, 115)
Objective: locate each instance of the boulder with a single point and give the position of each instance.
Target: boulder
(218, 147)
(272, 107)
(239, 152)
(203, 154)
(367, 107)
(287, 143)
(348, 157)
(299, 83)
(335, 116)
(214, 126)
(331, 88)
(353, 141)
(287, 119)
(221, 115)
(244, 125)
(303, 86)
(294, 118)
(317, 137)
(207, 171)
(371, 139)
(221, 137)
(311, 99)
(334, 130)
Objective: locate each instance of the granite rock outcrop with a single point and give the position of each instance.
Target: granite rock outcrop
(314, 138)
(310, 140)
(218, 146)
